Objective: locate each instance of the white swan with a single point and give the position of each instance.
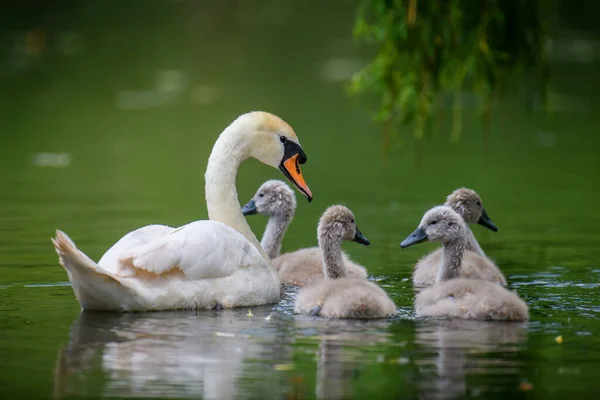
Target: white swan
(204, 264)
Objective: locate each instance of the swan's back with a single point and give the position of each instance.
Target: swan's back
(473, 266)
(200, 250)
(305, 267)
(138, 237)
(470, 299)
(345, 298)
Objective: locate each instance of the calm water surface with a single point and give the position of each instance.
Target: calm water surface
(129, 115)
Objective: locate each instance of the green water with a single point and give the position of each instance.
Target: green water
(128, 167)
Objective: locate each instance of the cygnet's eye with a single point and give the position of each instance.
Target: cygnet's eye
(450, 224)
(261, 195)
(433, 222)
(283, 139)
(352, 220)
(478, 204)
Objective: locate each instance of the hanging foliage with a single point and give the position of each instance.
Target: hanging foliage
(427, 48)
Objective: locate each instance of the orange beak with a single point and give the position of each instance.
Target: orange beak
(291, 169)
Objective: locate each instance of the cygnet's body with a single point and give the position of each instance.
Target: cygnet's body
(338, 295)
(301, 267)
(451, 295)
(476, 265)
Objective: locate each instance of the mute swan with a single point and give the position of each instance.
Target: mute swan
(301, 267)
(452, 296)
(340, 296)
(204, 264)
(468, 205)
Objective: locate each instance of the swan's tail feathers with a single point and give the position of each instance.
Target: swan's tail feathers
(74, 260)
(95, 288)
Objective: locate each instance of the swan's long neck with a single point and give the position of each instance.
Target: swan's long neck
(274, 232)
(473, 244)
(451, 261)
(331, 249)
(230, 149)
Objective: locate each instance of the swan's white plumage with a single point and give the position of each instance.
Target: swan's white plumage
(138, 237)
(200, 250)
(201, 264)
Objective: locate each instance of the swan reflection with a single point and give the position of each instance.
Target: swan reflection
(228, 354)
(170, 354)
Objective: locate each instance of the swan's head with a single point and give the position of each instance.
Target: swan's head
(467, 203)
(440, 224)
(275, 143)
(338, 223)
(273, 198)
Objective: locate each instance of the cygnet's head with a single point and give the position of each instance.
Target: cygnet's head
(274, 142)
(273, 198)
(467, 203)
(338, 222)
(440, 224)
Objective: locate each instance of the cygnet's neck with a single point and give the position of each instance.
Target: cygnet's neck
(230, 149)
(473, 244)
(452, 256)
(274, 233)
(331, 249)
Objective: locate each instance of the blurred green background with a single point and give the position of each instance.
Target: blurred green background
(108, 112)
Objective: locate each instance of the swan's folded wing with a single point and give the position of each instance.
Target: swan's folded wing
(134, 239)
(200, 250)
(158, 256)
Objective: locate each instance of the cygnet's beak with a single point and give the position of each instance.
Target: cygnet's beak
(249, 208)
(485, 220)
(290, 166)
(417, 236)
(360, 238)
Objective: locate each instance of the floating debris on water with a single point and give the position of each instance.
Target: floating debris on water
(59, 160)
(558, 339)
(224, 334)
(525, 386)
(250, 313)
(570, 371)
(268, 318)
(400, 360)
(284, 367)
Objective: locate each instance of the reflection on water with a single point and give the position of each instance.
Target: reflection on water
(333, 371)
(458, 345)
(227, 354)
(209, 354)
(166, 354)
(339, 357)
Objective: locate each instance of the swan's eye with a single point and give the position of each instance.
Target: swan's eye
(261, 195)
(283, 139)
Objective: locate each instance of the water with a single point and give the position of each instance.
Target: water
(110, 128)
